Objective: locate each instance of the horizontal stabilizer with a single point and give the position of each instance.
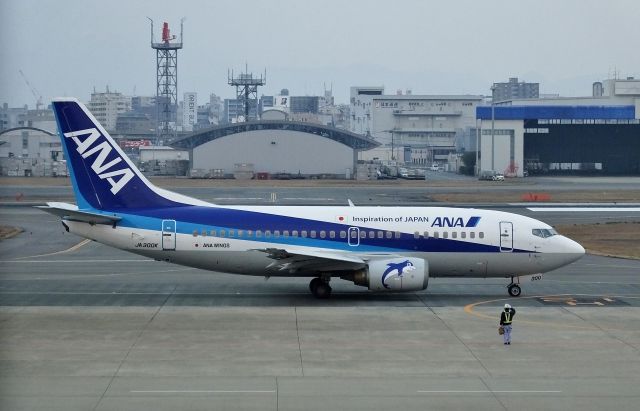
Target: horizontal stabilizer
(70, 212)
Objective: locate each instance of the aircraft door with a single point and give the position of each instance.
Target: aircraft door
(168, 234)
(506, 236)
(353, 236)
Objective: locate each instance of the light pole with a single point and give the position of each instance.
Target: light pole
(393, 157)
(478, 127)
(493, 120)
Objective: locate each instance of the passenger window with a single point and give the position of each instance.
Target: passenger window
(285, 233)
(426, 234)
(212, 233)
(232, 233)
(204, 233)
(258, 233)
(397, 234)
(313, 233)
(380, 234)
(294, 233)
(249, 233)
(363, 234)
(416, 235)
(323, 234)
(223, 233)
(389, 235)
(267, 233)
(354, 234)
(436, 234)
(195, 233)
(343, 234)
(472, 234)
(463, 234)
(332, 234)
(372, 234)
(303, 233)
(481, 234)
(445, 234)
(454, 234)
(276, 234)
(240, 233)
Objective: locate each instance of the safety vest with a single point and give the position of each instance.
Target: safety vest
(507, 318)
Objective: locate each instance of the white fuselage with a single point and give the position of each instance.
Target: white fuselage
(455, 241)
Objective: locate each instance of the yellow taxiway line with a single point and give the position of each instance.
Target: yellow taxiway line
(469, 309)
(68, 250)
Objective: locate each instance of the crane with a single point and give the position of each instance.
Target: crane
(35, 92)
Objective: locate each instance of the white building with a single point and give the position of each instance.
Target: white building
(28, 151)
(360, 104)
(426, 129)
(106, 107)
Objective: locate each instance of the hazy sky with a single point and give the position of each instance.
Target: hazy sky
(66, 47)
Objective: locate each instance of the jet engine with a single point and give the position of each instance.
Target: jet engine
(393, 274)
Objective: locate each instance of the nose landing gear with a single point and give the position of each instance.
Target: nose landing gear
(320, 287)
(514, 289)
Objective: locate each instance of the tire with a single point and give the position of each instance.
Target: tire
(515, 290)
(313, 284)
(322, 291)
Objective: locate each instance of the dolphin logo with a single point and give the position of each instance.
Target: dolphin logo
(396, 270)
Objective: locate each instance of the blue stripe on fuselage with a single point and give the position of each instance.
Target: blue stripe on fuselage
(194, 218)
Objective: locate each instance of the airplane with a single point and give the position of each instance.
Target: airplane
(382, 248)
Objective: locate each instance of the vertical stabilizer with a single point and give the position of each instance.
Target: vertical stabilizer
(103, 177)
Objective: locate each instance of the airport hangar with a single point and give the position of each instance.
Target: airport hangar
(276, 146)
(560, 136)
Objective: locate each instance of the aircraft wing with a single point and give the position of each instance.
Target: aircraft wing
(71, 212)
(295, 260)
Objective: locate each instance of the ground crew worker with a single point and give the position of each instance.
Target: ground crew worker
(506, 318)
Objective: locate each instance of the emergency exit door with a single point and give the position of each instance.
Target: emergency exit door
(168, 234)
(506, 236)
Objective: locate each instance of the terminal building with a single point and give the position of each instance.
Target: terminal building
(588, 135)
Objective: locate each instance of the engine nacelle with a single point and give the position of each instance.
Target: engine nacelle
(394, 274)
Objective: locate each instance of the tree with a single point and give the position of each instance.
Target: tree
(469, 160)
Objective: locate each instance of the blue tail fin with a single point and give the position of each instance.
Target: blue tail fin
(103, 177)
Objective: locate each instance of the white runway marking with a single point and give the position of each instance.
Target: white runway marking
(77, 261)
(239, 198)
(309, 198)
(490, 392)
(203, 391)
(583, 209)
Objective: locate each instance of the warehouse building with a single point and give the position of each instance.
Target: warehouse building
(275, 147)
(589, 135)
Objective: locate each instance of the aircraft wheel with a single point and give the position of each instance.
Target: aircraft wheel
(514, 290)
(321, 290)
(313, 285)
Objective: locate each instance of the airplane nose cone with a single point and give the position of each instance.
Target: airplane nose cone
(575, 250)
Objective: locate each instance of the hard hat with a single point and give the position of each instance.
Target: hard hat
(507, 306)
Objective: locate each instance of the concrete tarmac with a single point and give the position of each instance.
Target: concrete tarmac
(87, 327)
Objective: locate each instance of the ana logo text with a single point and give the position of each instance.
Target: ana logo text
(117, 178)
(451, 222)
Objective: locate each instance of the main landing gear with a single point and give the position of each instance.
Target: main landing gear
(514, 289)
(320, 287)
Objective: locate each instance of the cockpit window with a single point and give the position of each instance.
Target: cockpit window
(544, 232)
